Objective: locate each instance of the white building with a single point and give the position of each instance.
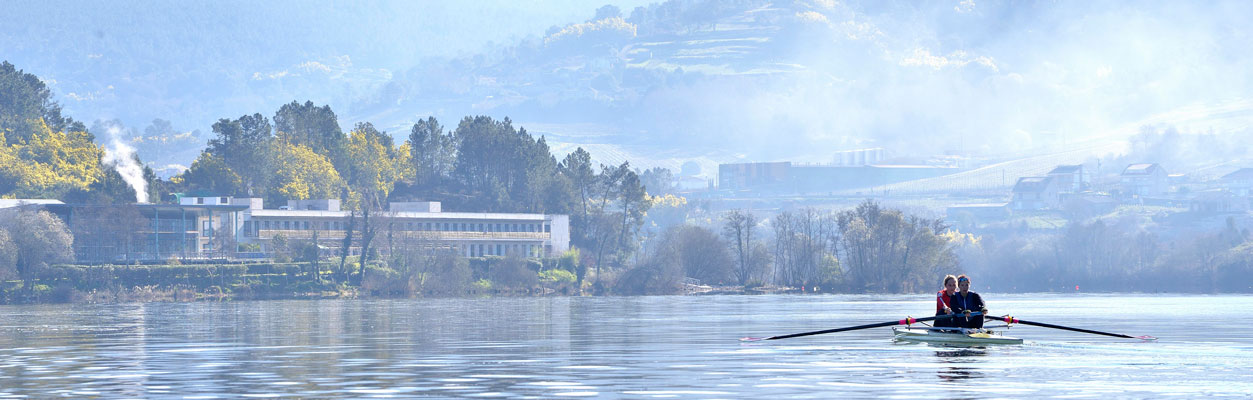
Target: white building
(408, 224)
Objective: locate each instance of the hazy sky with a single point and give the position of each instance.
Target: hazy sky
(971, 76)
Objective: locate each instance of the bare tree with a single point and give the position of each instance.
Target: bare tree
(738, 229)
(39, 238)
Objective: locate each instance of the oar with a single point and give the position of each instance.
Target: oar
(906, 321)
(1012, 320)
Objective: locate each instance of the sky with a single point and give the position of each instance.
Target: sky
(785, 80)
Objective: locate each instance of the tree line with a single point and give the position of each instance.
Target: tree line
(867, 249)
(301, 152)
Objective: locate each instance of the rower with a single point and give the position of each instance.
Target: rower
(966, 301)
(943, 303)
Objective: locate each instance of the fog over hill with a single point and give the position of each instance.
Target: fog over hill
(657, 84)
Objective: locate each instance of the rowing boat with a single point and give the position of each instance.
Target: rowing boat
(947, 335)
(968, 337)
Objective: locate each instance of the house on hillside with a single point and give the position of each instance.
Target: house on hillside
(1143, 180)
(1069, 178)
(1035, 193)
(1240, 182)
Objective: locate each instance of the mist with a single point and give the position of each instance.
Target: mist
(745, 81)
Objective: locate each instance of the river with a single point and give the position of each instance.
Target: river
(619, 347)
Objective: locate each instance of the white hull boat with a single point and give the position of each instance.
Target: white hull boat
(967, 337)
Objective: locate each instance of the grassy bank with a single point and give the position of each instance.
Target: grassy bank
(294, 280)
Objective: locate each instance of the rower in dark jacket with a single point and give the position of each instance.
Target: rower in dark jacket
(966, 302)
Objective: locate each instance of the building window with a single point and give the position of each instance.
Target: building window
(200, 200)
(286, 225)
(265, 224)
(336, 225)
(548, 228)
(223, 200)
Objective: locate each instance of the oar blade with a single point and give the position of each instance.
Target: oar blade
(752, 339)
(1146, 338)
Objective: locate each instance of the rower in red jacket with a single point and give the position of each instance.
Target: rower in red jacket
(943, 302)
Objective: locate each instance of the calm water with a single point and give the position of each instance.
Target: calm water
(638, 347)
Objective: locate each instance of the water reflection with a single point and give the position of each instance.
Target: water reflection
(664, 347)
(956, 374)
(967, 360)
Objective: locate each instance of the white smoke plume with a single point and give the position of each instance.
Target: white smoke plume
(122, 157)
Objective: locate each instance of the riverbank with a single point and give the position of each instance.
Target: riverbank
(103, 284)
(295, 280)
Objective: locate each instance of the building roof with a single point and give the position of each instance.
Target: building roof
(1067, 169)
(422, 215)
(1240, 174)
(10, 203)
(978, 205)
(181, 207)
(1142, 169)
(1032, 184)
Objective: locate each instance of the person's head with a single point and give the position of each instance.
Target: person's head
(963, 283)
(950, 283)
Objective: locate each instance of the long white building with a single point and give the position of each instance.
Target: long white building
(403, 223)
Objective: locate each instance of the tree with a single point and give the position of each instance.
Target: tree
(209, 173)
(302, 174)
(25, 103)
(40, 238)
(577, 166)
(8, 257)
(314, 127)
(374, 164)
(658, 181)
(245, 146)
(434, 154)
(634, 204)
(500, 168)
(738, 229)
(885, 250)
(700, 253)
(48, 163)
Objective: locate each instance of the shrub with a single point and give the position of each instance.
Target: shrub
(556, 276)
(513, 273)
(483, 284)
